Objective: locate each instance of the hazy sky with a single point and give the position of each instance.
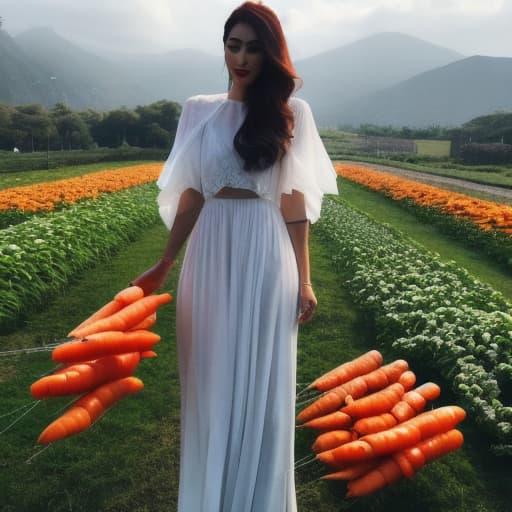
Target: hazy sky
(311, 26)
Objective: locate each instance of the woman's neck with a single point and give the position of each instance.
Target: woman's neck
(236, 93)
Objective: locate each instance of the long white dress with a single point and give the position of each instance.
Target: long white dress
(237, 308)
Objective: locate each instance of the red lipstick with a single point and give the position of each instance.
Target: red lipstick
(241, 72)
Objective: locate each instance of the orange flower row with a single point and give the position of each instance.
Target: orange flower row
(47, 196)
(486, 214)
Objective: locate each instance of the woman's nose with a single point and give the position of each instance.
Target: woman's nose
(242, 57)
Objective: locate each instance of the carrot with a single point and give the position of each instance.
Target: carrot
(83, 377)
(429, 391)
(353, 471)
(103, 344)
(126, 318)
(374, 424)
(385, 375)
(346, 454)
(334, 420)
(130, 295)
(331, 439)
(407, 379)
(415, 401)
(396, 438)
(402, 411)
(438, 445)
(404, 463)
(411, 403)
(391, 469)
(386, 473)
(438, 420)
(375, 403)
(357, 388)
(89, 408)
(147, 323)
(124, 297)
(148, 354)
(347, 371)
(333, 399)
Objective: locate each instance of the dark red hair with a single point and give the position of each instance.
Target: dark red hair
(267, 130)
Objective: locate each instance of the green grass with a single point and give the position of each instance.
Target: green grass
(437, 148)
(16, 179)
(385, 210)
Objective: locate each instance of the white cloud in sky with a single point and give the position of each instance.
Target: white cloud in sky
(311, 26)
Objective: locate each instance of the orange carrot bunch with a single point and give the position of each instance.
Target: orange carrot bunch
(100, 359)
(373, 429)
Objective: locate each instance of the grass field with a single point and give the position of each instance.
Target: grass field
(128, 461)
(436, 148)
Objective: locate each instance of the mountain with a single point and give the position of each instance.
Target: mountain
(76, 76)
(22, 79)
(389, 78)
(334, 79)
(176, 75)
(446, 96)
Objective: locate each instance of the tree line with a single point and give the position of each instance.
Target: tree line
(33, 127)
(484, 139)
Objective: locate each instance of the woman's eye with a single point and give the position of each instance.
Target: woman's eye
(233, 49)
(254, 49)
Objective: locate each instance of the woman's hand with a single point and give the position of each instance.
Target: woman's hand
(154, 277)
(308, 303)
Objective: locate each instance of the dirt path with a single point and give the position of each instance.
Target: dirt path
(488, 192)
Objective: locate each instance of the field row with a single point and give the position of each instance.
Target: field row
(39, 256)
(482, 225)
(19, 203)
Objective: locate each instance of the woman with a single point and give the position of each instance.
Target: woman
(245, 177)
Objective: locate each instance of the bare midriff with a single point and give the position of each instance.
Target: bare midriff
(236, 193)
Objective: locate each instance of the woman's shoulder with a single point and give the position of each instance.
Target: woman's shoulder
(298, 105)
(206, 99)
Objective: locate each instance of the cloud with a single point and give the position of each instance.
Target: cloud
(311, 26)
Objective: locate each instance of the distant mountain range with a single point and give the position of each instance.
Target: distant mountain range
(388, 79)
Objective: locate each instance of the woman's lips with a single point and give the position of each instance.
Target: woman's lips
(241, 72)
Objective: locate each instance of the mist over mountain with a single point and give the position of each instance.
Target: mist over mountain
(334, 79)
(446, 96)
(388, 78)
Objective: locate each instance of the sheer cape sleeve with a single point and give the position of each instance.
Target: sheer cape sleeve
(306, 166)
(182, 169)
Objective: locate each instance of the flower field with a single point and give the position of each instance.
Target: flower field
(435, 313)
(40, 255)
(484, 226)
(17, 203)
(486, 214)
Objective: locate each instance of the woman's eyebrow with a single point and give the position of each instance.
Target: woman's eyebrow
(237, 40)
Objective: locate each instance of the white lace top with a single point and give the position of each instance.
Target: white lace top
(203, 157)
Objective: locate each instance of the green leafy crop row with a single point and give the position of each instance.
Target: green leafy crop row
(432, 312)
(39, 257)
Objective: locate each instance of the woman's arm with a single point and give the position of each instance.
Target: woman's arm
(293, 210)
(189, 207)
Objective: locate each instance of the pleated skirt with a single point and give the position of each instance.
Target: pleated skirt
(237, 307)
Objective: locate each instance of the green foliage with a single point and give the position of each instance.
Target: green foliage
(15, 162)
(35, 128)
(41, 255)
(431, 132)
(494, 128)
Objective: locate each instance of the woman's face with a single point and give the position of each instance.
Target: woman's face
(244, 55)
